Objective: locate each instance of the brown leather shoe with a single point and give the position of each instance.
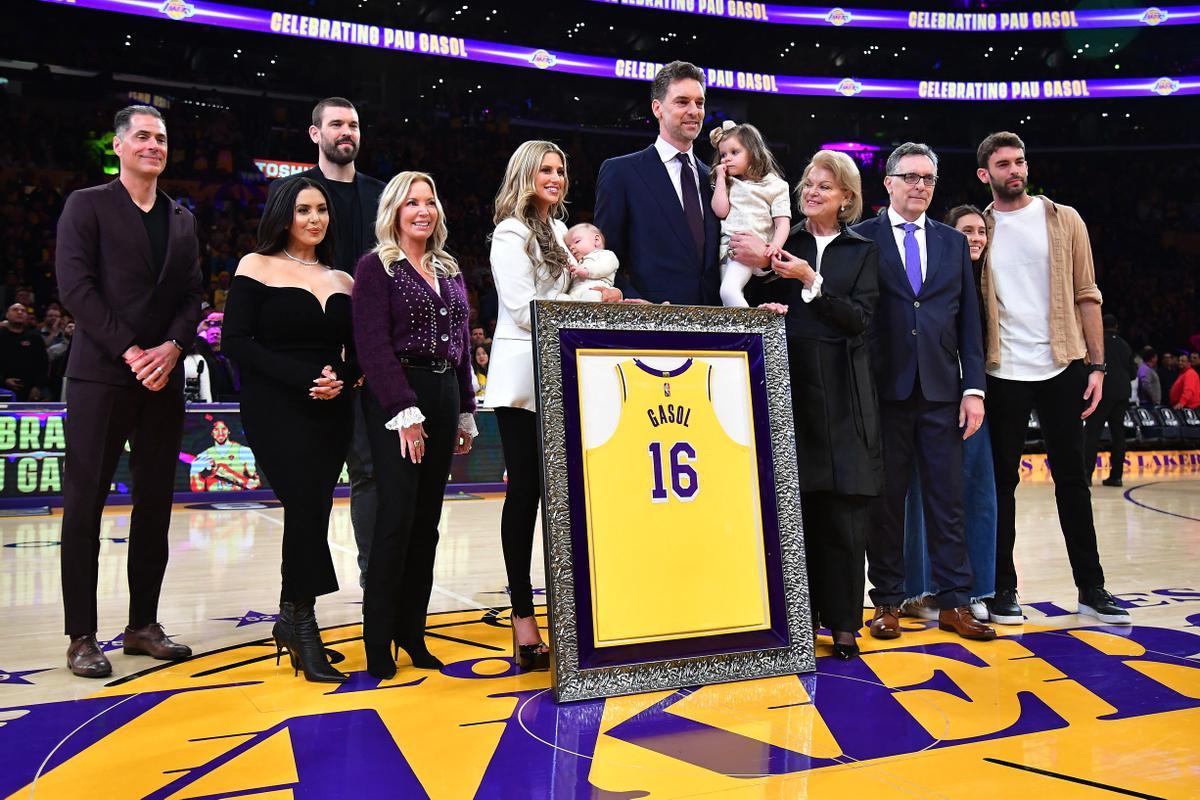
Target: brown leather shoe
(151, 641)
(886, 623)
(86, 659)
(961, 621)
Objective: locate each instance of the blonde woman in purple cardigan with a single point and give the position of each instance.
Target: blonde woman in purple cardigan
(410, 327)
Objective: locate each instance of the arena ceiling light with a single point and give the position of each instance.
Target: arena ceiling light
(325, 29)
(1054, 19)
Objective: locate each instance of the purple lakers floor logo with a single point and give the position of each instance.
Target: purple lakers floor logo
(1036, 703)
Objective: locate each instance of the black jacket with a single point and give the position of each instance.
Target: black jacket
(834, 401)
(1118, 356)
(118, 299)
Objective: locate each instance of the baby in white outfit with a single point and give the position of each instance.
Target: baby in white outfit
(596, 266)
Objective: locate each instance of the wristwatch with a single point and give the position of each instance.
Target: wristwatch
(1098, 368)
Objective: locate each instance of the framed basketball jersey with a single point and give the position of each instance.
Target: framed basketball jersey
(671, 486)
(671, 516)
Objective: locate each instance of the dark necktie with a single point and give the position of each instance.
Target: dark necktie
(912, 256)
(691, 201)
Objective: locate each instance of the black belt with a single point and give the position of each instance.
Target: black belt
(431, 363)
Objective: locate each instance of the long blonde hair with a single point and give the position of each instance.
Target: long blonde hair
(515, 199)
(436, 260)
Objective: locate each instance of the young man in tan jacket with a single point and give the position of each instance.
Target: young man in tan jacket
(1045, 351)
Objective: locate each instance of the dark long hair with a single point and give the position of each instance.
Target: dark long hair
(958, 212)
(277, 219)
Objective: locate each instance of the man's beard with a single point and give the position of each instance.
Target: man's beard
(335, 154)
(1004, 192)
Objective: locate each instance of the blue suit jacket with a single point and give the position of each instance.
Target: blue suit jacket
(931, 333)
(643, 223)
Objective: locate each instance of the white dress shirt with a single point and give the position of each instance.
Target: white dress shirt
(895, 219)
(668, 152)
(898, 232)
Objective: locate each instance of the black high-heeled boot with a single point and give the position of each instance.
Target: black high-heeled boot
(419, 653)
(381, 663)
(281, 631)
(306, 649)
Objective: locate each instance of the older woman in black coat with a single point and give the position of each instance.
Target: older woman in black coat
(828, 294)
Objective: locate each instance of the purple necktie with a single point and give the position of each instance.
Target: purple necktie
(691, 201)
(912, 256)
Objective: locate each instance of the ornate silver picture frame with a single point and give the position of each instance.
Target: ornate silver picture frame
(648, 498)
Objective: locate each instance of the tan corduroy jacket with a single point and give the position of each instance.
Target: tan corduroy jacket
(1072, 281)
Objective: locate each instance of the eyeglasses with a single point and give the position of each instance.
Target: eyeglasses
(911, 178)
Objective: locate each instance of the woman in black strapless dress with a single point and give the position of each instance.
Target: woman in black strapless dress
(287, 325)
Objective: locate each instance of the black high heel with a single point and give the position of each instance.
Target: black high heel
(379, 665)
(529, 656)
(843, 651)
(420, 655)
(305, 648)
(281, 631)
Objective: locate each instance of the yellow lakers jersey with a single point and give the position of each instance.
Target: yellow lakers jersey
(674, 526)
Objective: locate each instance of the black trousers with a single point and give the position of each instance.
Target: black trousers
(1111, 411)
(100, 419)
(927, 433)
(523, 460)
(400, 569)
(1059, 402)
(363, 498)
(835, 533)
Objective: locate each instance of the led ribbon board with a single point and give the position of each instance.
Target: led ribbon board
(982, 22)
(324, 29)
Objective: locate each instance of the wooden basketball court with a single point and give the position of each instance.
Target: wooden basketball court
(1060, 707)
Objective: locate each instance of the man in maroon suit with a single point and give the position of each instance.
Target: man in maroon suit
(128, 268)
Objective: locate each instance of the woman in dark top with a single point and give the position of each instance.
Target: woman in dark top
(410, 323)
(287, 325)
(828, 296)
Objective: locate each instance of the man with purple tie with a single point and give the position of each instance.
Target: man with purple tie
(654, 206)
(926, 324)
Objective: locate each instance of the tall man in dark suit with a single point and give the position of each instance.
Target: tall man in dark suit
(926, 324)
(654, 206)
(355, 196)
(128, 268)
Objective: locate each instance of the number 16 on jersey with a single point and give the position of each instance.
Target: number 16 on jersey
(683, 481)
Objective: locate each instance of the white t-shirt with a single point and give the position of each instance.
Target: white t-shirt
(1020, 271)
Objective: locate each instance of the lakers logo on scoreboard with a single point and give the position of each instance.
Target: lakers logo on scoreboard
(1165, 86)
(839, 17)
(1154, 16)
(178, 9)
(543, 59)
(848, 87)
(232, 724)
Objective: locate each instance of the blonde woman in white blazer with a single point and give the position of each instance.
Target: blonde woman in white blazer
(529, 261)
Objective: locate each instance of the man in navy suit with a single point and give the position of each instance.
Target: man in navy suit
(654, 206)
(925, 326)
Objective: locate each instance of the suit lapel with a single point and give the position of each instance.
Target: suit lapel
(175, 232)
(706, 204)
(893, 270)
(131, 217)
(654, 174)
(934, 244)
